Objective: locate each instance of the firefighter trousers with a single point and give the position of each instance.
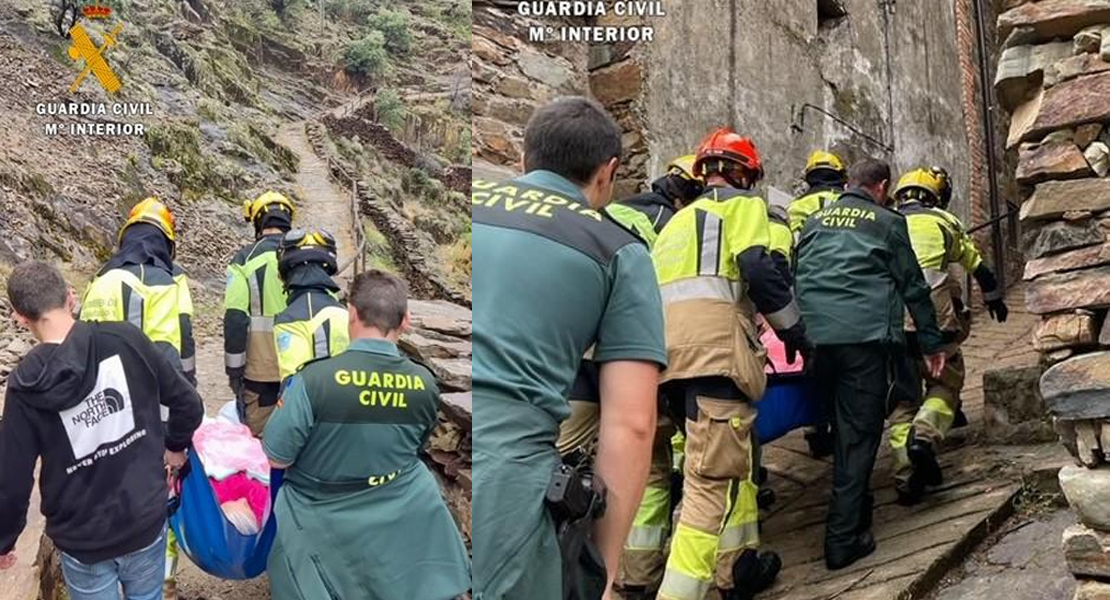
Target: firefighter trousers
(719, 517)
(931, 419)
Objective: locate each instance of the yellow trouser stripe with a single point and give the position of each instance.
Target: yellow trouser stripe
(741, 530)
(171, 555)
(691, 566)
(649, 528)
(899, 437)
(678, 448)
(936, 412)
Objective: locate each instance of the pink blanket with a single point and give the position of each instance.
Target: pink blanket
(241, 487)
(229, 448)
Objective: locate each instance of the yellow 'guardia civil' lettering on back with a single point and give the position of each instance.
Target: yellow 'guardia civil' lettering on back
(849, 212)
(376, 379)
(531, 202)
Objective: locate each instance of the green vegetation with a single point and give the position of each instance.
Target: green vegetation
(390, 109)
(368, 56)
(175, 148)
(254, 143)
(394, 25)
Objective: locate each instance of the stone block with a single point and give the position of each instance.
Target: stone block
(1098, 156)
(1088, 493)
(1052, 199)
(1074, 102)
(616, 83)
(1088, 40)
(1041, 162)
(1021, 69)
(1078, 388)
(554, 72)
(1013, 412)
(1058, 292)
(1086, 134)
(1055, 18)
(1087, 589)
(1072, 67)
(1087, 551)
(1022, 118)
(1066, 330)
(1091, 256)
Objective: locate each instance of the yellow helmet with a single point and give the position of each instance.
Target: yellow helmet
(821, 159)
(683, 166)
(919, 179)
(151, 211)
(256, 208)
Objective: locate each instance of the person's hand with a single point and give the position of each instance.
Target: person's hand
(794, 347)
(7, 561)
(935, 363)
(998, 310)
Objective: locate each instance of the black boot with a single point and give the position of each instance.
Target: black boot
(838, 557)
(820, 441)
(960, 420)
(925, 462)
(752, 573)
(910, 491)
(764, 498)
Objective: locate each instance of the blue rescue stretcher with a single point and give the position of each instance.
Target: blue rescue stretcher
(791, 400)
(206, 536)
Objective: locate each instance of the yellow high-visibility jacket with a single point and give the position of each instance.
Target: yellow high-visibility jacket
(253, 297)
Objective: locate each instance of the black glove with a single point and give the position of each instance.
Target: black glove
(997, 309)
(796, 345)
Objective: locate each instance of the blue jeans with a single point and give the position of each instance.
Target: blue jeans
(139, 573)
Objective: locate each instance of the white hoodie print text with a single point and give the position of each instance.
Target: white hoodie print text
(106, 415)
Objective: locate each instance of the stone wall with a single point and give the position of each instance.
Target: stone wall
(893, 74)
(1054, 75)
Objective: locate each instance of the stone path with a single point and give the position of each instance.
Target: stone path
(916, 545)
(322, 203)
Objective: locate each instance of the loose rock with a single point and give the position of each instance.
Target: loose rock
(1075, 102)
(1087, 551)
(1057, 237)
(1098, 156)
(1041, 162)
(1065, 330)
(1052, 199)
(1088, 493)
(1078, 388)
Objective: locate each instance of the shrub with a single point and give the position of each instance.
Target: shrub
(394, 25)
(390, 109)
(368, 56)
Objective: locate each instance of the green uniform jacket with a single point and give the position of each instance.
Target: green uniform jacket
(360, 515)
(857, 273)
(555, 277)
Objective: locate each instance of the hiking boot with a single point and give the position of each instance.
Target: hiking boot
(925, 462)
(820, 441)
(764, 498)
(838, 557)
(910, 491)
(960, 419)
(752, 573)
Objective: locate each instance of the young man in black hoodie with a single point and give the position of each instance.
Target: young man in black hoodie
(86, 400)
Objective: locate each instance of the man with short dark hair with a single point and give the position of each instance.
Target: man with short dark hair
(857, 274)
(86, 400)
(557, 275)
(359, 514)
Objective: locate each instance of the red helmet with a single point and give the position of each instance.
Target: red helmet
(727, 145)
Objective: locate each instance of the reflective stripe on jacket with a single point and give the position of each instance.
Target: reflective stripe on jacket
(254, 295)
(314, 326)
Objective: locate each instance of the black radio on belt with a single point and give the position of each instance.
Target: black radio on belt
(571, 494)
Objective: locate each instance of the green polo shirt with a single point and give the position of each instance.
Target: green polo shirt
(357, 494)
(552, 278)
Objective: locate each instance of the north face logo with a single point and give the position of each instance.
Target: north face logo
(105, 415)
(99, 406)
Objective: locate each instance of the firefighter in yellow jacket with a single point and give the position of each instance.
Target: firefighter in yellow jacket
(939, 241)
(314, 324)
(254, 295)
(826, 176)
(715, 275)
(141, 284)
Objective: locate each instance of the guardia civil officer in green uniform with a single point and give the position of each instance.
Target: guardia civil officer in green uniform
(641, 565)
(254, 295)
(359, 514)
(856, 276)
(314, 324)
(556, 276)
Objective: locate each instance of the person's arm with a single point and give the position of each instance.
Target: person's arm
(181, 398)
(915, 292)
(628, 400)
(19, 450)
(237, 321)
(185, 321)
(289, 426)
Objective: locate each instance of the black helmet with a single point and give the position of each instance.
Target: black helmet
(301, 246)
